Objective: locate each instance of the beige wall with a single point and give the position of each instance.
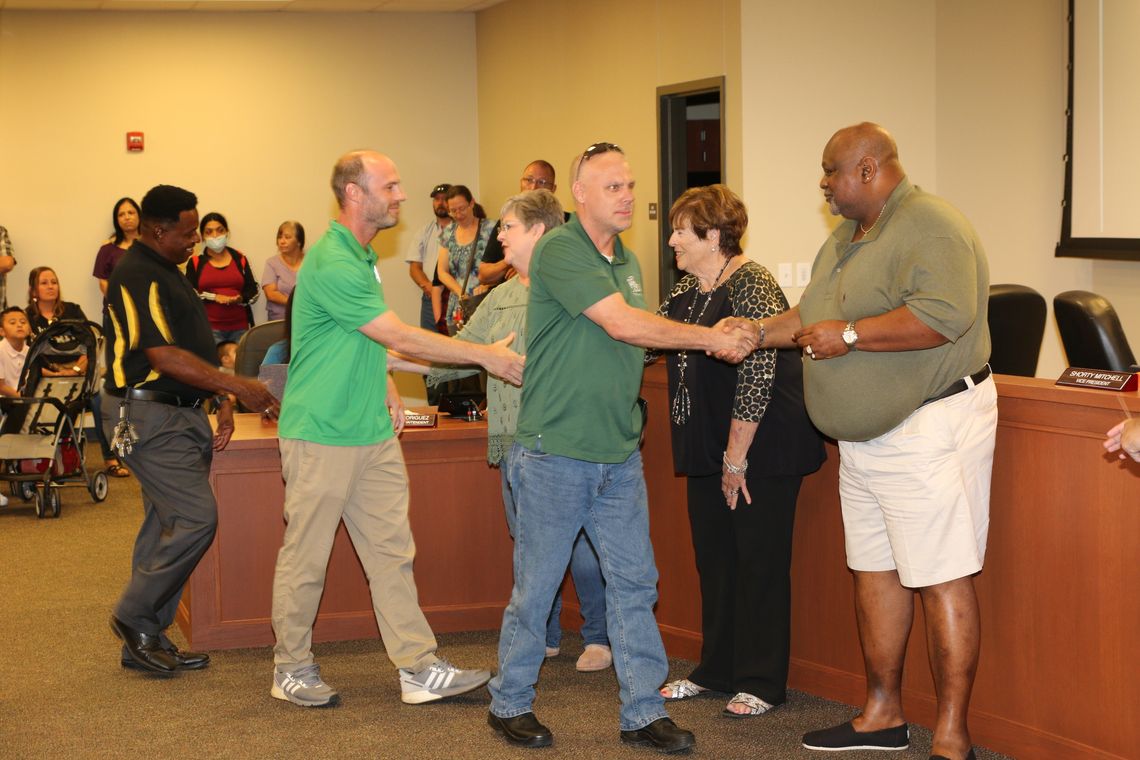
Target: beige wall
(809, 68)
(249, 111)
(558, 75)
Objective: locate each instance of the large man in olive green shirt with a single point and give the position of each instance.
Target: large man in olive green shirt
(893, 329)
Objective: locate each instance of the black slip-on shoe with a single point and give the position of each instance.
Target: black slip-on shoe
(844, 737)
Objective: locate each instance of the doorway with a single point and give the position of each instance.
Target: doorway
(690, 136)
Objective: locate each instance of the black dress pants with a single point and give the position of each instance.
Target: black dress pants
(172, 463)
(744, 560)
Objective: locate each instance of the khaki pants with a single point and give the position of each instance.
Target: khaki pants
(367, 487)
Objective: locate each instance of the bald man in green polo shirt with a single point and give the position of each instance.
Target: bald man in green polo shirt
(339, 453)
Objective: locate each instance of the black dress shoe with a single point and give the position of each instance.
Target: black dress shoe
(144, 649)
(522, 730)
(663, 734)
(184, 660)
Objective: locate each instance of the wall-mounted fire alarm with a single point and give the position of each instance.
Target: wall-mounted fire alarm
(135, 142)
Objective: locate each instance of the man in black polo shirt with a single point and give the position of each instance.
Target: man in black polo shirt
(161, 367)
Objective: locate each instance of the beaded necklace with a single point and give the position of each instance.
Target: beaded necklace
(681, 406)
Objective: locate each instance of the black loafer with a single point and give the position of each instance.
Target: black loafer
(845, 737)
(183, 660)
(522, 730)
(663, 734)
(144, 649)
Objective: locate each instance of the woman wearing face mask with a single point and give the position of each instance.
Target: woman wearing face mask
(224, 280)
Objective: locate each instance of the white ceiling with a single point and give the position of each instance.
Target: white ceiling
(301, 6)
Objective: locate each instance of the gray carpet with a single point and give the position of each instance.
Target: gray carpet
(63, 694)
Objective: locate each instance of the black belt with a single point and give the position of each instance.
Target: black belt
(159, 397)
(958, 386)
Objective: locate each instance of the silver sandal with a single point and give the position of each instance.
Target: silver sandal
(681, 689)
(755, 705)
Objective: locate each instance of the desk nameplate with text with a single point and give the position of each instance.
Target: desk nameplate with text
(1102, 379)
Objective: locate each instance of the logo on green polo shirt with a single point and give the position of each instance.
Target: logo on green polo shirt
(634, 285)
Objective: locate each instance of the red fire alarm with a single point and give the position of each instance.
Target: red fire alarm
(135, 142)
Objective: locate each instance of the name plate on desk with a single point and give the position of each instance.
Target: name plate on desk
(419, 419)
(1079, 377)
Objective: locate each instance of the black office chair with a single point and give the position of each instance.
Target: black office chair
(253, 345)
(1091, 332)
(1017, 326)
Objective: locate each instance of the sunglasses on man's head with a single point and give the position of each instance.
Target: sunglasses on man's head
(594, 150)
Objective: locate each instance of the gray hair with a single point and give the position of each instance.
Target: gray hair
(535, 206)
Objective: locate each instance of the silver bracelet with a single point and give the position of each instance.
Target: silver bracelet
(763, 335)
(734, 469)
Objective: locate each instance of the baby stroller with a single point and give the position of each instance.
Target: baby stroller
(42, 442)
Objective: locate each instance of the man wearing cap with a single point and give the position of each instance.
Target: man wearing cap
(423, 253)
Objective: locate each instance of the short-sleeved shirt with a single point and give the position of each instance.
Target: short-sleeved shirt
(337, 388)
(278, 274)
(424, 249)
(150, 304)
(106, 260)
(11, 363)
(580, 394)
(922, 254)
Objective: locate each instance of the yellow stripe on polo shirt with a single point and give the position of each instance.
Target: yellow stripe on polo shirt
(131, 313)
(158, 315)
(120, 351)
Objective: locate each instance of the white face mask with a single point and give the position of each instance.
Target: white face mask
(216, 244)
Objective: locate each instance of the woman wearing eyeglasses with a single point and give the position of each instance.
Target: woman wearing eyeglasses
(461, 249)
(742, 437)
(524, 219)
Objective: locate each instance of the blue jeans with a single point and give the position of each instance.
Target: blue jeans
(558, 497)
(585, 571)
(427, 316)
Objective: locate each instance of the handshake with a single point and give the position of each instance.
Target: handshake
(734, 338)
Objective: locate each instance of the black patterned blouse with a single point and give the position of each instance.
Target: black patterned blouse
(767, 387)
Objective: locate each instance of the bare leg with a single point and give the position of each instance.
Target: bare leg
(884, 610)
(953, 633)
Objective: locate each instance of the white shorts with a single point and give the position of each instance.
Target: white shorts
(917, 498)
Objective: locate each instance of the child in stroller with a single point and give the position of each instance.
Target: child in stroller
(42, 440)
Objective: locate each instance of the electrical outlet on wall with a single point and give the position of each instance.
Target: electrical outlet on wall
(784, 275)
(803, 274)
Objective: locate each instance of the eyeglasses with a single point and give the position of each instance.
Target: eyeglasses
(537, 182)
(458, 209)
(508, 226)
(596, 149)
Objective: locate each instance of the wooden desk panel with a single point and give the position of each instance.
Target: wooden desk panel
(463, 550)
(1058, 594)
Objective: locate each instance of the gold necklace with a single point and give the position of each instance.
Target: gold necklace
(877, 218)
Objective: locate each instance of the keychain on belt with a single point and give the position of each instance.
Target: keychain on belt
(125, 436)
